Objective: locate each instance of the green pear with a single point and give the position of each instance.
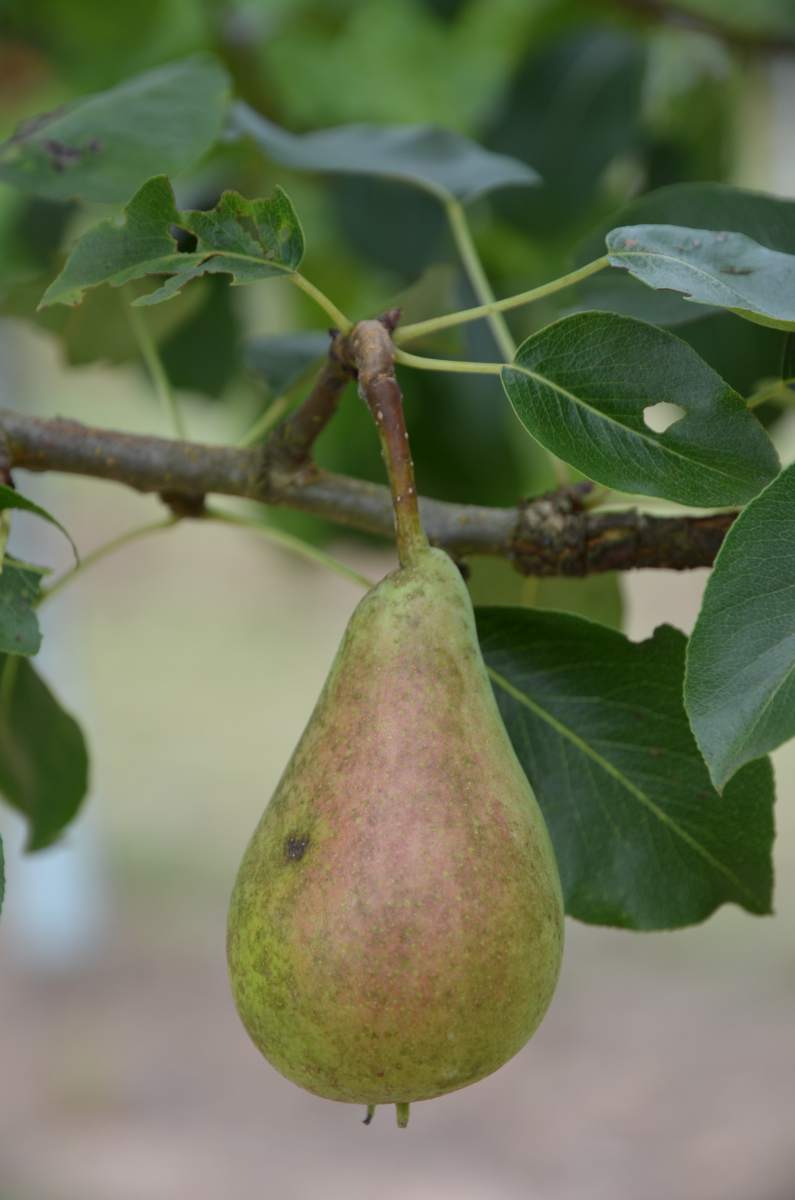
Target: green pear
(396, 926)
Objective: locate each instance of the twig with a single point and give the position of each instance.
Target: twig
(462, 235)
(540, 538)
(290, 444)
(408, 333)
(479, 280)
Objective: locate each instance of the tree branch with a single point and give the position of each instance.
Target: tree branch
(290, 444)
(553, 535)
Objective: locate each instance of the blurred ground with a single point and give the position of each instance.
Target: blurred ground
(664, 1070)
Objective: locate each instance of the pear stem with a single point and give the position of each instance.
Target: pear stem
(373, 355)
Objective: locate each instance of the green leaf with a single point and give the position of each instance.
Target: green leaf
(597, 597)
(10, 498)
(762, 18)
(724, 270)
(443, 163)
(43, 757)
(581, 387)
(247, 239)
(741, 352)
(20, 585)
(788, 358)
(740, 688)
(283, 359)
(769, 220)
(642, 839)
(103, 147)
(203, 353)
(574, 105)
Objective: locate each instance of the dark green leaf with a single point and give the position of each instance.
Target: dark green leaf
(411, 229)
(98, 329)
(788, 359)
(104, 146)
(448, 10)
(282, 359)
(689, 112)
(573, 106)
(10, 498)
(443, 163)
(20, 585)
(43, 757)
(723, 270)
(581, 387)
(741, 352)
(763, 18)
(740, 689)
(769, 220)
(203, 353)
(247, 239)
(641, 837)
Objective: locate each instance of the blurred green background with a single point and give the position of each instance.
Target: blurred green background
(664, 1069)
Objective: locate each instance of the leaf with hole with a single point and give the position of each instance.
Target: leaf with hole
(43, 757)
(582, 386)
(103, 147)
(440, 162)
(247, 239)
(722, 270)
(642, 839)
(740, 688)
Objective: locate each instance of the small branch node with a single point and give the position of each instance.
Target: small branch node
(181, 506)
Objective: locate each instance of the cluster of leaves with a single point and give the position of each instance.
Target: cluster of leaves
(648, 759)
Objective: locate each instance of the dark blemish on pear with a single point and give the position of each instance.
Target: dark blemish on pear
(422, 888)
(295, 846)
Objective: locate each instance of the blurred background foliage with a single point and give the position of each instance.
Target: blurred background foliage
(603, 99)
(193, 661)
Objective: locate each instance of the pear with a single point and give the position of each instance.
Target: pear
(396, 926)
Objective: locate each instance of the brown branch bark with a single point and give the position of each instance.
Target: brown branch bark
(290, 445)
(553, 535)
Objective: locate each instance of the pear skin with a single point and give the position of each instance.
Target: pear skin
(396, 927)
